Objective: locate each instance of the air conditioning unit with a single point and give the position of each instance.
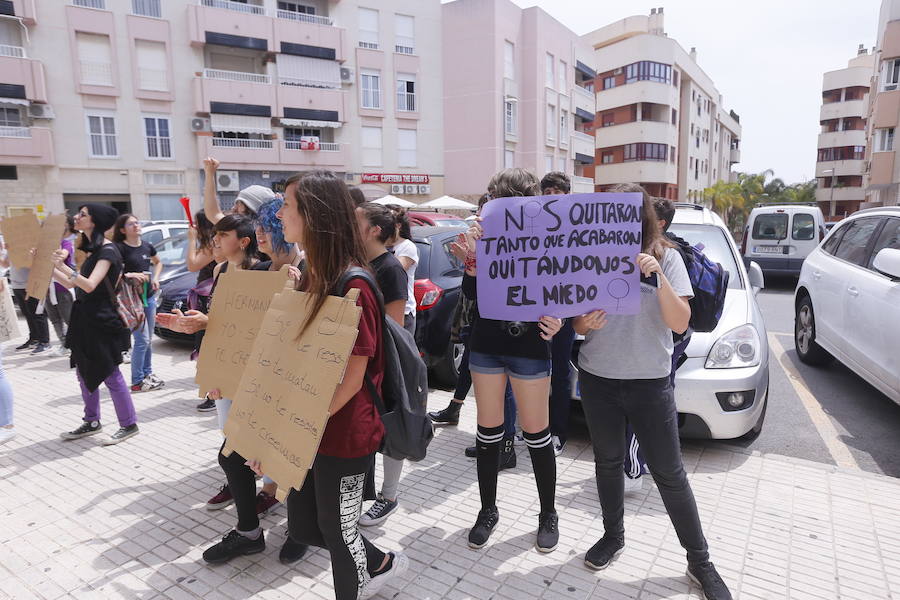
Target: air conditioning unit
(411, 189)
(346, 75)
(227, 181)
(40, 111)
(200, 124)
(424, 189)
(396, 188)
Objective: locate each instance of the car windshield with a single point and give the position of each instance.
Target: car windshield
(172, 252)
(771, 226)
(712, 241)
(450, 223)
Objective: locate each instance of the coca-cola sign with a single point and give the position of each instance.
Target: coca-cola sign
(393, 178)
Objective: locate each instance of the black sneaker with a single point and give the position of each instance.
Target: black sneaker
(548, 532)
(291, 552)
(27, 345)
(472, 452)
(233, 545)
(484, 525)
(379, 511)
(207, 405)
(87, 428)
(448, 416)
(705, 575)
(603, 552)
(121, 435)
(40, 348)
(507, 455)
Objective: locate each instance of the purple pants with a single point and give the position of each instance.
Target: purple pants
(121, 397)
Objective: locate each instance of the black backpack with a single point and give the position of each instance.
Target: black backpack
(710, 283)
(402, 403)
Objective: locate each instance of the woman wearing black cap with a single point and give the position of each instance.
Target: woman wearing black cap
(97, 336)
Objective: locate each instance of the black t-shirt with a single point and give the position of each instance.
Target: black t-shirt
(137, 258)
(391, 277)
(101, 293)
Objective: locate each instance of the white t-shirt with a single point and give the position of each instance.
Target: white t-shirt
(407, 249)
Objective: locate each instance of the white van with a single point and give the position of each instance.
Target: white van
(779, 238)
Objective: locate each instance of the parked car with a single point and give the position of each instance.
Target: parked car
(779, 238)
(172, 252)
(435, 219)
(174, 283)
(847, 301)
(722, 384)
(437, 288)
(156, 231)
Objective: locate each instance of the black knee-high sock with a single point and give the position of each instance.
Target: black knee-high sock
(487, 443)
(540, 447)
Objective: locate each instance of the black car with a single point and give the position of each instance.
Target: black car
(437, 288)
(174, 283)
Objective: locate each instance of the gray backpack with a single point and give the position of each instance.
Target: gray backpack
(402, 403)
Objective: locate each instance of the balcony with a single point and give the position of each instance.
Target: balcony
(583, 99)
(582, 185)
(734, 156)
(310, 30)
(303, 17)
(12, 51)
(642, 171)
(837, 110)
(314, 99)
(27, 72)
(235, 153)
(834, 139)
(583, 143)
(234, 24)
(844, 167)
(26, 146)
(232, 87)
(840, 194)
(406, 102)
(241, 7)
(328, 155)
(641, 91)
(658, 132)
(223, 75)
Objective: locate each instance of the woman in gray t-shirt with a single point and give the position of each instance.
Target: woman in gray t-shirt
(624, 367)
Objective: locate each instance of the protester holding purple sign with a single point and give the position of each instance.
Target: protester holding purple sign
(518, 352)
(624, 374)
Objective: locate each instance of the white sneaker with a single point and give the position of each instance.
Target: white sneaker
(558, 446)
(59, 351)
(126, 357)
(401, 564)
(633, 486)
(6, 434)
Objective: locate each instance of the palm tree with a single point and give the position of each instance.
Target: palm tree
(725, 198)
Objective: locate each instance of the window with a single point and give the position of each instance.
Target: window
(509, 120)
(855, 241)
(609, 83)
(10, 117)
(548, 163)
(884, 139)
(102, 136)
(94, 58)
(370, 140)
(158, 140)
(152, 61)
(404, 34)
(166, 207)
(674, 116)
(146, 8)
(509, 60)
(890, 75)
(370, 88)
(561, 76)
(803, 227)
(368, 28)
(561, 165)
(647, 70)
(671, 154)
(9, 172)
(646, 151)
(406, 92)
(607, 158)
(549, 76)
(551, 122)
(406, 147)
(293, 137)
(771, 226)
(563, 126)
(90, 3)
(889, 238)
(608, 119)
(838, 153)
(299, 9)
(307, 71)
(509, 159)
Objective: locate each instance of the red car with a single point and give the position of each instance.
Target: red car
(436, 219)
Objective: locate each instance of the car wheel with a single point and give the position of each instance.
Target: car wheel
(757, 428)
(805, 335)
(447, 369)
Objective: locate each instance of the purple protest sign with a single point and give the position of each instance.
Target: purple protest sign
(560, 256)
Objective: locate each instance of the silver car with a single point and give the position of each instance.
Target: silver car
(722, 386)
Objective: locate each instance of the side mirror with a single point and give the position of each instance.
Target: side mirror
(887, 262)
(757, 280)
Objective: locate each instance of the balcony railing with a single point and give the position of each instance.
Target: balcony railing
(251, 9)
(578, 135)
(96, 73)
(406, 102)
(586, 94)
(13, 51)
(223, 75)
(368, 45)
(242, 143)
(90, 3)
(15, 132)
(303, 17)
(323, 146)
(401, 49)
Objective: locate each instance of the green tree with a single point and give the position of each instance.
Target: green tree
(725, 199)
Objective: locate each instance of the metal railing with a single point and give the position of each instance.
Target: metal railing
(15, 132)
(369, 45)
(147, 8)
(153, 79)
(223, 75)
(242, 143)
(90, 3)
(303, 17)
(323, 146)
(576, 180)
(406, 102)
(401, 49)
(13, 51)
(96, 73)
(251, 9)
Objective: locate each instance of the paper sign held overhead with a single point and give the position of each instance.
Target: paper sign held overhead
(20, 234)
(236, 313)
(280, 410)
(559, 256)
(41, 272)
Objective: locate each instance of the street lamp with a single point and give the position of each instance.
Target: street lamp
(831, 206)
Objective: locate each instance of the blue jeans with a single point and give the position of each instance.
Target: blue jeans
(515, 367)
(141, 353)
(6, 397)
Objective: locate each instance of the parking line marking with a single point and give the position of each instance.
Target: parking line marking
(838, 449)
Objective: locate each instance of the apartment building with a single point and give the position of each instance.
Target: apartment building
(840, 160)
(660, 119)
(118, 101)
(518, 92)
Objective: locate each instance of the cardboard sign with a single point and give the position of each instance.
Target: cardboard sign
(559, 256)
(9, 322)
(21, 234)
(41, 272)
(279, 413)
(238, 306)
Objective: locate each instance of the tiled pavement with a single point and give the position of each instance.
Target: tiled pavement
(79, 520)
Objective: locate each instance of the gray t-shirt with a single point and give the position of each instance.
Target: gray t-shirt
(18, 278)
(637, 346)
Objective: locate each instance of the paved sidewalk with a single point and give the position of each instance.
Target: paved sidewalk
(79, 520)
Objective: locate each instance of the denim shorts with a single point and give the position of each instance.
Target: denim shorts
(513, 366)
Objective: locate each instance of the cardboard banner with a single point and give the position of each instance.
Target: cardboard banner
(21, 234)
(279, 413)
(41, 272)
(237, 310)
(9, 322)
(559, 256)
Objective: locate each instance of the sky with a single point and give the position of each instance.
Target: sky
(766, 58)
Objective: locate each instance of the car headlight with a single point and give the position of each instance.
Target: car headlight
(739, 347)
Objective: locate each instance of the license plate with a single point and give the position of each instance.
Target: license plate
(768, 250)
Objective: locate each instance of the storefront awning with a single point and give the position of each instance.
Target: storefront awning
(309, 123)
(240, 123)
